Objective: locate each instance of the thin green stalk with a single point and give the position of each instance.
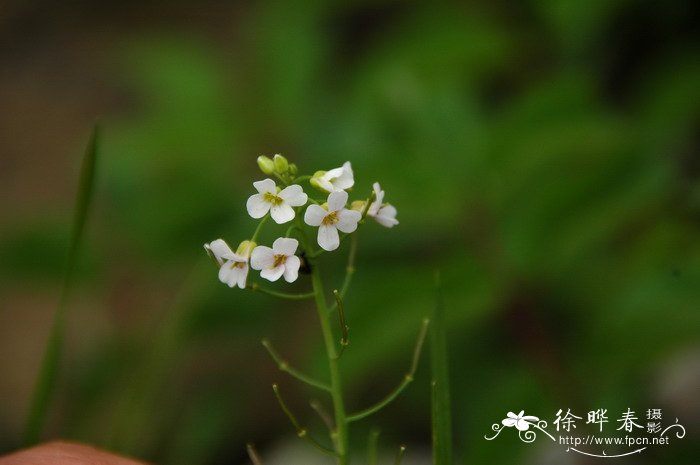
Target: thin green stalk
(259, 228)
(321, 411)
(349, 270)
(341, 427)
(345, 338)
(302, 432)
(284, 366)
(282, 295)
(253, 454)
(301, 178)
(46, 380)
(399, 455)
(341, 424)
(408, 379)
(372, 446)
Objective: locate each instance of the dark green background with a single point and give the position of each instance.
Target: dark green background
(543, 155)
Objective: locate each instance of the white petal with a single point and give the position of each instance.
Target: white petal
(332, 175)
(242, 276)
(530, 418)
(294, 195)
(346, 180)
(378, 199)
(234, 257)
(262, 257)
(337, 200)
(228, 274)
(291, 269)
(347, 220)
(257, 207)
(285, 246)
(387, 216)
(282, 213)
(314, 215)
(509, 422)
(272, 274)
(219, 248)
(325, 184)
(328, 237)
(266, 185)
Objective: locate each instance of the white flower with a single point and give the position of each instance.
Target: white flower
(279, 204)
(520, 421)
(335, 218)
(278, 260)
(337, 179)
(233, 267)
(384, 214)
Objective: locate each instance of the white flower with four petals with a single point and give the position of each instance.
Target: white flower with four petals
(337, 179)
(278, 260)
(330, 221)
(384, 214)
(233, 267)
(279, 204)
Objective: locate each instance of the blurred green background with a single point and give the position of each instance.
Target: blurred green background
(544, 155)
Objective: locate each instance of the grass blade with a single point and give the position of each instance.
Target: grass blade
(441, 412)
(46, 380)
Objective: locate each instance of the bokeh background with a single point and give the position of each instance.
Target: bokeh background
(544, 155)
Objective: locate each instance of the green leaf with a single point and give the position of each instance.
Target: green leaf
(441, 416)
(46, 380)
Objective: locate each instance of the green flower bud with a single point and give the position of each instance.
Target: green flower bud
(281, 164)
(358, 205)
(293, 170)
(266, 165)
(245, 248)
(314, 180)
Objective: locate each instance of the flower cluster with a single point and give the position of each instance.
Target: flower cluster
(283, 204)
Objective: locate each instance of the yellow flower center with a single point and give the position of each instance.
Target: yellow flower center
(237, 264)
(279, 260)
(272, 198)
(331, 218)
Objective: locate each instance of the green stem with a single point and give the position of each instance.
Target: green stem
(259, 227)
(284, 366)
(341, 423)
(302, 432)
(282, 295)
(407, 379)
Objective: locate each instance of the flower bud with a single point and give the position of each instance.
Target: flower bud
(293, 170)
(266, 165)
(314, 180)
(358, 205)
(281, 164)
(245, 248)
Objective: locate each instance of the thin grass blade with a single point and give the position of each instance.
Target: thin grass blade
(46, 379)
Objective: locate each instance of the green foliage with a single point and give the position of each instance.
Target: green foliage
(538, 155)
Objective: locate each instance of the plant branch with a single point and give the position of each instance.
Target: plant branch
(258, 228)
(408, 378)
(399, 455)
(253, 454)
(349, 270)
(372, 446)
(344, 339)
(301, 431)
(282, 295)
(284, 366)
